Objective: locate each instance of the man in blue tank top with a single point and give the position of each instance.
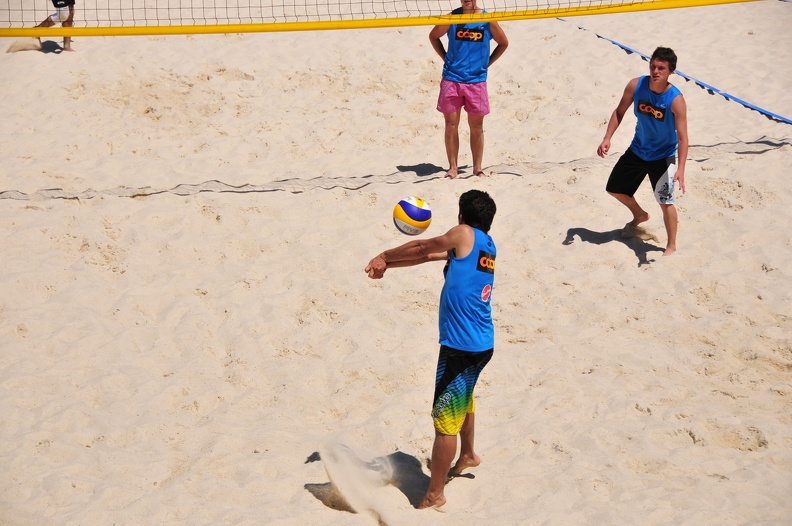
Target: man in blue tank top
(467, 334)
(660, 134)
(464, 82)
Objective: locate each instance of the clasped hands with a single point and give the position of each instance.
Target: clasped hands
(376, 267)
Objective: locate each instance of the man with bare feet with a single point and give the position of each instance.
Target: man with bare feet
(467, 334)
(464, 82)
(63, 15)
(660, 134)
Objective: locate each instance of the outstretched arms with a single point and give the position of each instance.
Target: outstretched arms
(459, 239)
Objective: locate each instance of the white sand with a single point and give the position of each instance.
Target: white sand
(174, 350)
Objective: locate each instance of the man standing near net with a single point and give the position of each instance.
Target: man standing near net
(660, 130)
(464, 82)
(467, 333)
(63, 15)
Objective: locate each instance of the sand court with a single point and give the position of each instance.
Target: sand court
(185, 320)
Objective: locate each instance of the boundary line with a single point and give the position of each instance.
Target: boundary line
(712, 90)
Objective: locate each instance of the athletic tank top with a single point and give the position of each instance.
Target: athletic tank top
(468, 51)
(655, 132)
(465, 309)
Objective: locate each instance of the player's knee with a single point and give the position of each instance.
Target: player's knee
(476, 124)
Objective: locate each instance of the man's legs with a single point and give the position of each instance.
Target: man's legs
(476, 123)
(452, 414)
(68, 23)
(443, 452)
(625, 179)
(467, 454)
(639, 214)
(664, 194)
(671, 220)
(452, 142)
(46, 23)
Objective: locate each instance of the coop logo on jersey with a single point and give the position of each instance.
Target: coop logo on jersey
(469, 35)
(647, 109)
(486, 262)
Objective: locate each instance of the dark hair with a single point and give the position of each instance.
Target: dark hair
(477, 209)
(666, 54)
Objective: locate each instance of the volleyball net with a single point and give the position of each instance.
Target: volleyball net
(18, 18)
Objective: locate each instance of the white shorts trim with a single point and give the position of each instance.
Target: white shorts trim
(664, 189)
(60, 16)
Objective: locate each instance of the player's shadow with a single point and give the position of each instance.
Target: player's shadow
(50, 46)
(422, 169)
(405, 474)
(640, 247)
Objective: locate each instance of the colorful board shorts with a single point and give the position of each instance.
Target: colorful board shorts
(630, 171)
(457, 373)
(454, 95)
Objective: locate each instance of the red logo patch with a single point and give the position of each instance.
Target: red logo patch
(486, 292)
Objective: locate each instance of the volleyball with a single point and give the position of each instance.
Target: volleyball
(412, 216)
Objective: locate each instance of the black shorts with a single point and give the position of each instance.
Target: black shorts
(630, 171)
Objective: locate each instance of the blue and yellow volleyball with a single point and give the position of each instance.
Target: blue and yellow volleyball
(412, 216)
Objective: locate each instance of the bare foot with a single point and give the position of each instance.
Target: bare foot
(640, 218)
(463, 463)
(669, 250)
(638, 232)
(481, 173)
(432, 502)
(451, 173)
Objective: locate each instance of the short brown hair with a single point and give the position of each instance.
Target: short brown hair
(666, 54)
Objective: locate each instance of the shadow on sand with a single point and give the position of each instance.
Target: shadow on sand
(640, 247)
(50, 46)
(422, 169)
(406, 476)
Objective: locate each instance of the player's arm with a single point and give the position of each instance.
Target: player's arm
(617, 116)
(435, 35)
(441, 256)
(500, 38)
(679, 109)
(460, 238)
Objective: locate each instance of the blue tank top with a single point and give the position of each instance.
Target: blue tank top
(468, 51)
(465, 308)
(655, 132)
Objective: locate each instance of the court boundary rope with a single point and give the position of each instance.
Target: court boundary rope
(403, 175)
(712, 90)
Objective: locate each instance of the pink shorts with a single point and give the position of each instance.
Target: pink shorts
(454, 95)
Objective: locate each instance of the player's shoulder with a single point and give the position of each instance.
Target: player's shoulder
(632, 84)
(461, 230)
(461, 233)
(678, 101)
